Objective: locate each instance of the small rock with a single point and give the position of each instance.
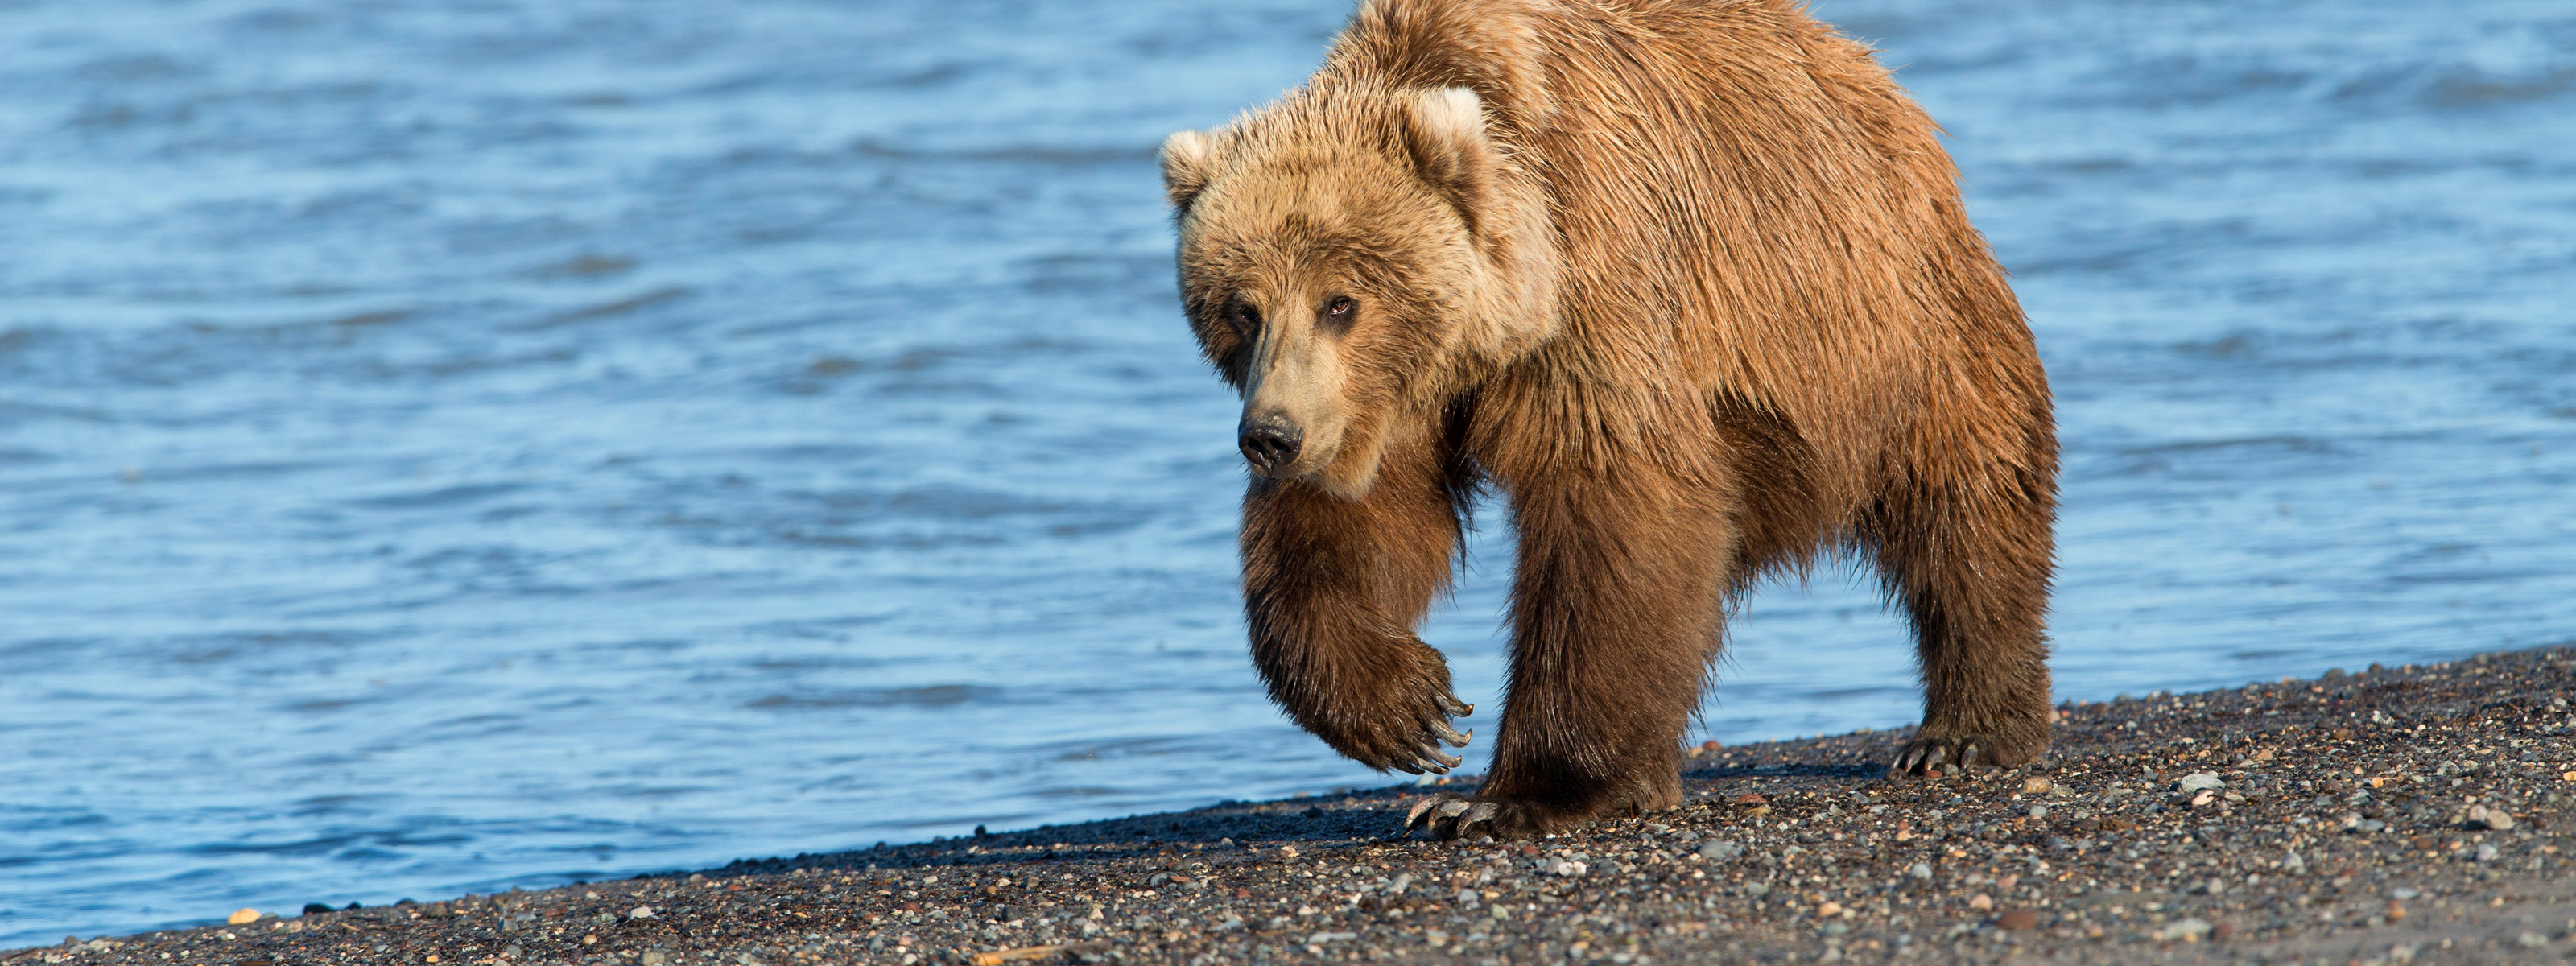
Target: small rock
(2481, 816)
(2402, 893)
(2202, 797)
(2018, 919)
(243, 917)
(2038, 812)
(1467, 897)
(1755, 890)
(1716, 850)
(1981, 902)
(1829, 910)
(640, 912)
(2184, 930)
(2487, 852)
(2532, 940)
(1920, 870)
(2292, 864)
(655, 958)
(2035, 786)
(2200, 781)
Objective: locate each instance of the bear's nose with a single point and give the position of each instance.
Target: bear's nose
(1269, 442)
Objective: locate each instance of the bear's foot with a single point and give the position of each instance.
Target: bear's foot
(1933, 754)
(1447, 816)
(1489, 814)
(1413, 747)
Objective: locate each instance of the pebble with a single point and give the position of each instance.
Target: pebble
(1981, 902)
(1719, 851)
(2035, 786)
(243, 918)
(2481, 816)
(2184, 930)
(640, 912)
(1920, 870)
(2201, 781)
(2487, 852)
(2018, 920)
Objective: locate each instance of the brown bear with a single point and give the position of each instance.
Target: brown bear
(1689, 281)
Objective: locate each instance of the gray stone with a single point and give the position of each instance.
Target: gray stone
(1920, 870)
(2200, 781)
(2184, 930)
(1718, 850)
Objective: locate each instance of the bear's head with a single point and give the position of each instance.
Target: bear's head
(1351, 261)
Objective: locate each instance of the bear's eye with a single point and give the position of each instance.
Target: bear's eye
(1338, 313)
(1246, 319)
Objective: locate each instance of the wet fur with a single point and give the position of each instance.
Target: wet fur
(1699, 297)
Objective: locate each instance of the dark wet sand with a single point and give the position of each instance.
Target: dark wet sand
(2356, 820)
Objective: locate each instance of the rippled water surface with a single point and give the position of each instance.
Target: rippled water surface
(447, 446)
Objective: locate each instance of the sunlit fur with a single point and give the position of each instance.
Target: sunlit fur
(1690, 283)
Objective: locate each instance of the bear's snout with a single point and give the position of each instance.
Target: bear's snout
(1269, 442)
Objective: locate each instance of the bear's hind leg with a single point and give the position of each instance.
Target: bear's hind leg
(1971, 566)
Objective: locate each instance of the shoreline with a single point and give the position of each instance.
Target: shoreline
(2399, 814)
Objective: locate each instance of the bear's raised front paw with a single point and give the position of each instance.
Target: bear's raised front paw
(1406, 739)
(1933, 754)
(1448, 816)
(1422, 752)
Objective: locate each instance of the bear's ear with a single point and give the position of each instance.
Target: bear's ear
(1445, 134)
(1189, 159)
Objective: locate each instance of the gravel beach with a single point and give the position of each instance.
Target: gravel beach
(2411, 814)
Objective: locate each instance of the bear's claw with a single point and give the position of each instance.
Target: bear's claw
(1448, 816)
(1450, 734)
(1923, 756)
(1425, 755)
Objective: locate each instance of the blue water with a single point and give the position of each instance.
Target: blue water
(448, 446)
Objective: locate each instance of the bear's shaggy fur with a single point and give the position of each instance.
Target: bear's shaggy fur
(1690, 282)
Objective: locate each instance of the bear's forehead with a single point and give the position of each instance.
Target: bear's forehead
(1304, 188)
(1309, 207)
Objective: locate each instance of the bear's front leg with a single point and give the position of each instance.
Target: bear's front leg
(1615, 613)
(1332, 591)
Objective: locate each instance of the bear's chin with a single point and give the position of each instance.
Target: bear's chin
(1352, 471)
